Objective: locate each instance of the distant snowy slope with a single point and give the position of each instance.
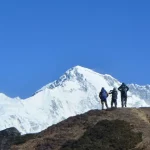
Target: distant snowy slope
(143, 92)
(73, 93)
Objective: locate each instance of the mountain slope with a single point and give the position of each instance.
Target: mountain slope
(73, 93)
(115, 129)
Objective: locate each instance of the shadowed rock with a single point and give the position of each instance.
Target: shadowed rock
(7, 138)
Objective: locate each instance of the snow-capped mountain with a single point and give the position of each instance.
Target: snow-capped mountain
(73, 93)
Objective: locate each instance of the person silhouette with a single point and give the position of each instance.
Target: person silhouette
(123, 89)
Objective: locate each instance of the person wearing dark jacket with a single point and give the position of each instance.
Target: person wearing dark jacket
(103, 96)
(123, 89)
(114, 97)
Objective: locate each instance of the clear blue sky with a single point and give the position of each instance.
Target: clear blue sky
(40, 40)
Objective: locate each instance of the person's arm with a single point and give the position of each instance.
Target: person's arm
(99, 94)
(119, 88)
(107, 94)
(110, 92)
(127, 88)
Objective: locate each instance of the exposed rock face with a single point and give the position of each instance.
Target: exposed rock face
(7, 138)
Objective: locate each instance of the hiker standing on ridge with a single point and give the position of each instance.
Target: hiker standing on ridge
(123, 89)
(114, 97)
(103, 96)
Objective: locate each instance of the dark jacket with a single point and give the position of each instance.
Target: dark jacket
(114, 94)
(123, 89)
(103, 94)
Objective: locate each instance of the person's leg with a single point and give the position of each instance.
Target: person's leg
(106, 104)
(125, 101)
(102, 105)
(122, 103)
(116, 104)
(111, 103)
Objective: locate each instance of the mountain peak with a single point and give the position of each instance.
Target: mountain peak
(79, 74)
(82, 69)
(78, 69)
(76, 72)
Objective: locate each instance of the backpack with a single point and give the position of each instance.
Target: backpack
(103, 94)
(124, 91)
(114, 94)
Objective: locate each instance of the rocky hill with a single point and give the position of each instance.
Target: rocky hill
(114, 129)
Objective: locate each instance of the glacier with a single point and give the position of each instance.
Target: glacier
(75, 92)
